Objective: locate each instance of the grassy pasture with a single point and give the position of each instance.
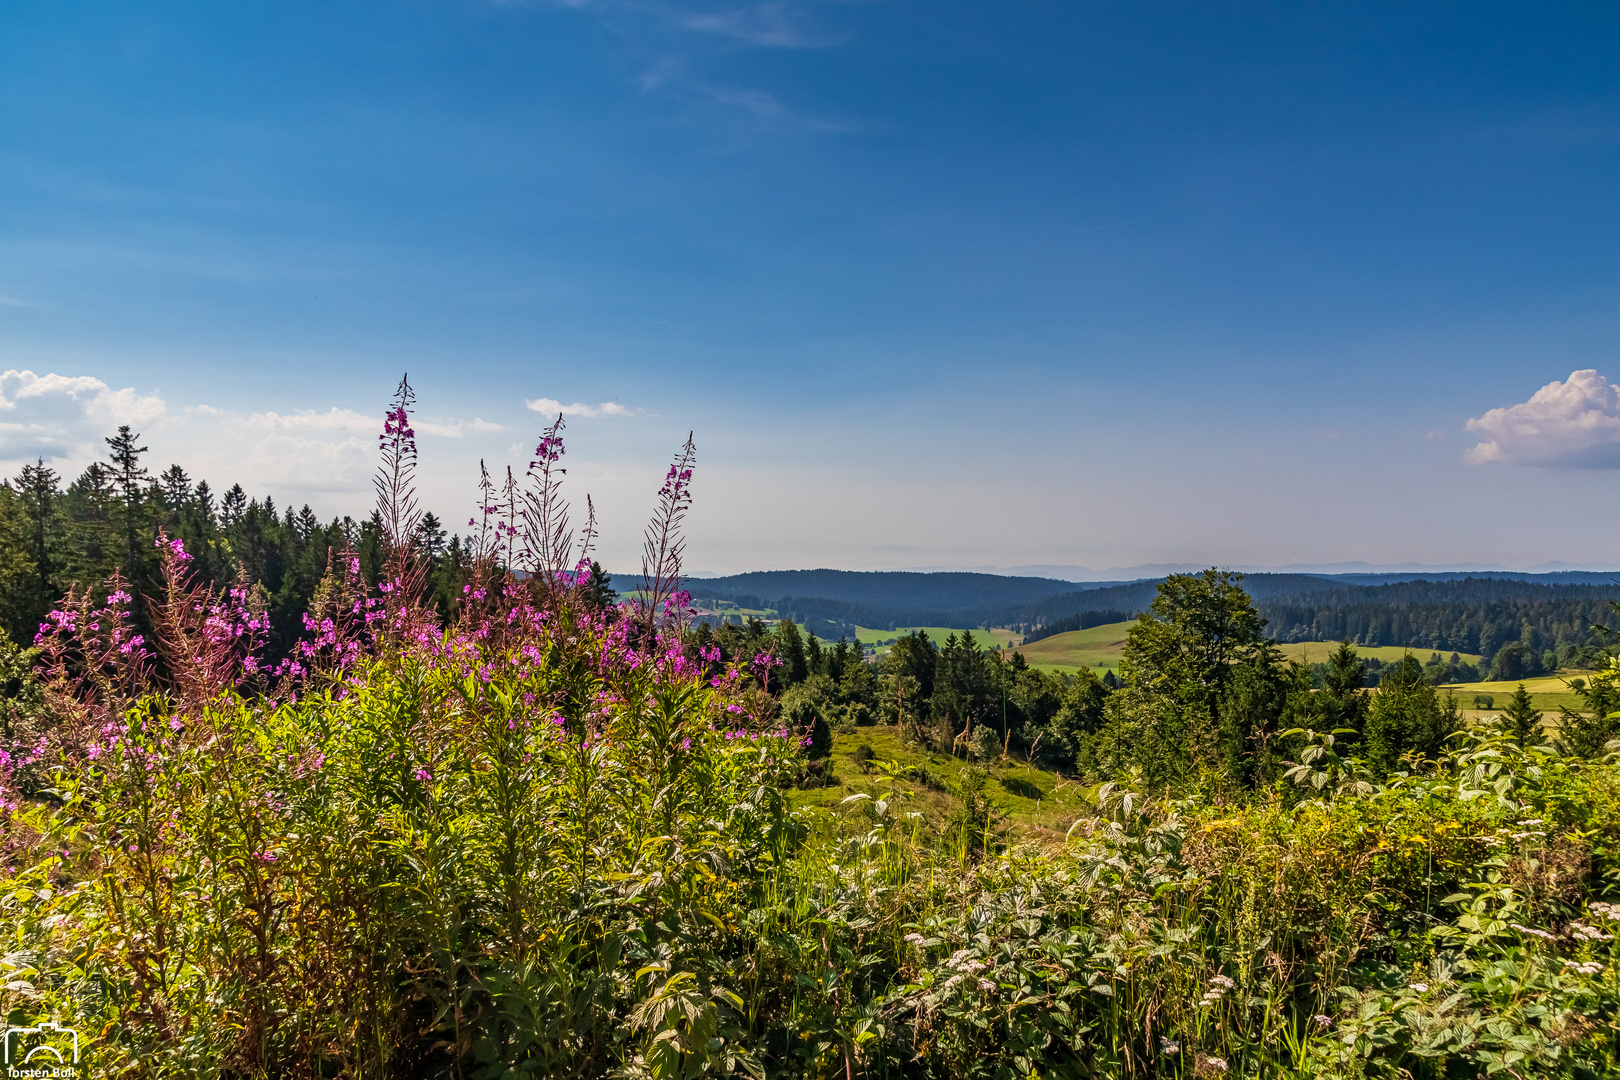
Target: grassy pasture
(987, 639)
(1317, 652)
(1548, 693)
(1096, 647)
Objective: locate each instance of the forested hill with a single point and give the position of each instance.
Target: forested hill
(885, 599)
(1470, 615)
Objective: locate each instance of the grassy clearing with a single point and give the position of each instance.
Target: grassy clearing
(1548, 693)
(987, 639)
(1098, 647)
(1037, 804)
(1317, 652)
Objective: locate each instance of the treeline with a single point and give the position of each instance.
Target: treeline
(1085, 620)
(1541, 626)
(1555, 619)
(55, 536)
(954, 696)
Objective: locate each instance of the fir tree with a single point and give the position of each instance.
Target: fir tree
(128, 478)
(233, 506)
(176, 486)
(1523, 721)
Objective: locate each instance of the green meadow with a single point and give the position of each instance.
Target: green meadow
(987, 639)
(1317, 652)
(1096, 647)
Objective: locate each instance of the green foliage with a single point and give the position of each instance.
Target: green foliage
(1523, 721)
(984, 745)
(1202, 691)
(1407, 717)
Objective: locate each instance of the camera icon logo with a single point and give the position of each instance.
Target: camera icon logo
(49, 1044)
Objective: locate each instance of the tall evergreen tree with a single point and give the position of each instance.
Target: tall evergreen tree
(40, 494)
(92, 548)
(233, 506)
(1344, 699)
(176, 486)
(1407, 716)
(129, 480)
(1523, 721)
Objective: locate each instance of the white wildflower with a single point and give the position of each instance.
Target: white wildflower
(1533, 932)
(1533, 821)
(1223, 982)
(1168, 1046)
(1421, 988)
(1216, 1063)
(1325, 1021)
(915, 939)
(1582, 932)
(986, 985)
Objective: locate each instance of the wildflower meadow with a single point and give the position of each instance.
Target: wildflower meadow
(557, 833)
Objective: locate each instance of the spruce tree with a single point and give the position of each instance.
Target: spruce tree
(233, 506)
(128, 478)
(176, 486)
(37, 486)
(1523, 721)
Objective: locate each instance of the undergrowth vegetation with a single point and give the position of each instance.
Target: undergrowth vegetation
(558, 836)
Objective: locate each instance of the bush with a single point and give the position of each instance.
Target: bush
(984, 744)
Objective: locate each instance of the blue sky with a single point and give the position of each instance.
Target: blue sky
(935, 284)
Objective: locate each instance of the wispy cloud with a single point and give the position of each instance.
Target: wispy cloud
(1569, 424)
(12, 301)
(552, 407)
(57, 416)
(674, 38)
(769, 25)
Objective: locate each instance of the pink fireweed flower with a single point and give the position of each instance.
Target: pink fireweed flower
(423, 774)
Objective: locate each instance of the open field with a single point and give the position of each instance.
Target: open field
(1548, 693)
(1317, 652)
(1097, 647)
(987, 639)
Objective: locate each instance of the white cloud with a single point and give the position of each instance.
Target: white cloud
(1574, 424)
(551, 407)
(334, 419)
(341, 420)
(57, 416)
(292, 461)
(455, 429)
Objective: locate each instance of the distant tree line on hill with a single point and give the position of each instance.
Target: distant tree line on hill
(1520, 628)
